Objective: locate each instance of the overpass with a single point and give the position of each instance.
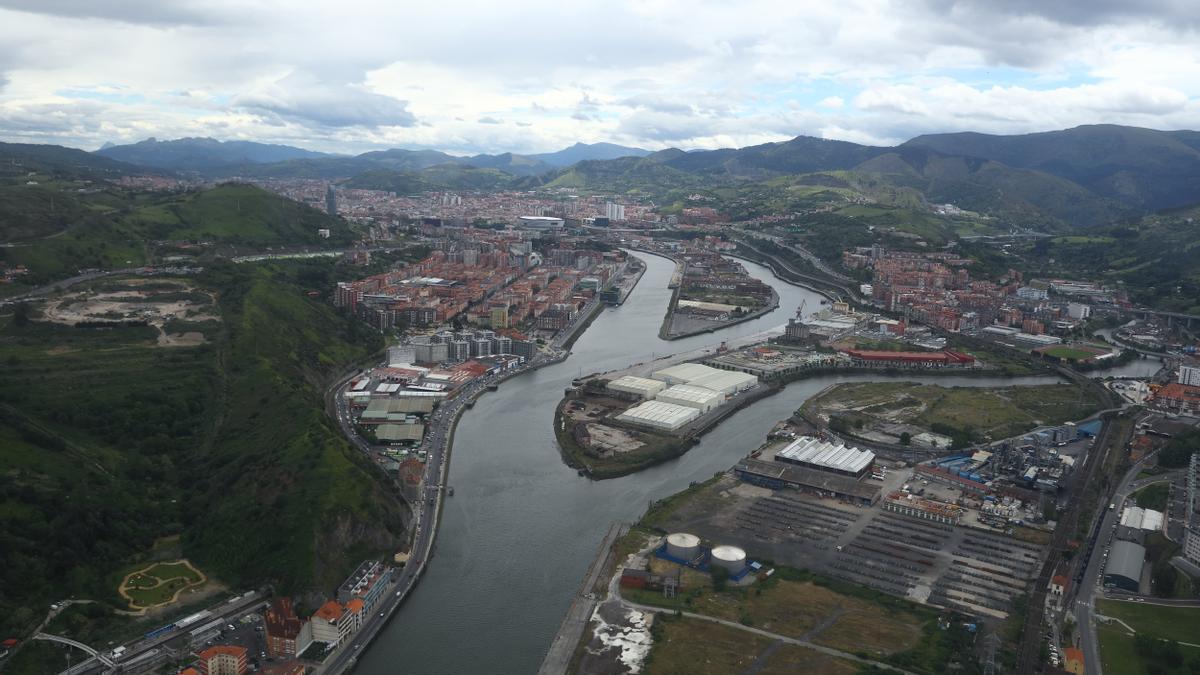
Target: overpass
(78, 645)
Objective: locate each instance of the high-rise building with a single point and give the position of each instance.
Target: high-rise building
(331, 200)
(614, 212)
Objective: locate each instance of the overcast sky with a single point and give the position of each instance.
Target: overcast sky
(490, 76)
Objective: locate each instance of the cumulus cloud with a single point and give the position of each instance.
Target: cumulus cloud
(174, 12)
(677, 73)
(301, 98)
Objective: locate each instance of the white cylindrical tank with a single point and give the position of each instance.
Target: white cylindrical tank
(731, 558)
(683, 545)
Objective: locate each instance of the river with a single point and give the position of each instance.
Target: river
(522, 528)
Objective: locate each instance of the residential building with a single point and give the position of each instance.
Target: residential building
(334, 622)
(222, 660)
(286, 634)
(1189, 376)
(331, 200)
(368, 583)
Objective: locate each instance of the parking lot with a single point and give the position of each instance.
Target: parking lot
(967, 568)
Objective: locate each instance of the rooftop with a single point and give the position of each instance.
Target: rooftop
(839, 457)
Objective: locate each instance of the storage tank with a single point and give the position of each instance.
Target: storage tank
(682, 545)
(731, 558)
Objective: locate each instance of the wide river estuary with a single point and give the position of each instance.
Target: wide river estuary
(522, 528)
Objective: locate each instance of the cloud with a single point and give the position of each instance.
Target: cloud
(678, 72)
(154, 12)
(301, 98)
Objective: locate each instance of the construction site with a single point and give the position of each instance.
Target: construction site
(175, 308)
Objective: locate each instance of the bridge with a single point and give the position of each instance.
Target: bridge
(108, 663)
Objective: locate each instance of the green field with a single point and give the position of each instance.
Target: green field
(1119, 654)
(1181, 624)
(1153, 496)
(974, 413)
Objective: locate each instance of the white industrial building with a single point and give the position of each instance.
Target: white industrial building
(825, 456)
(682, 373)
(641, 387)
(540, 223)
(731, 558)
(1142, 519)
(1078, 310)
(727, 382)
(700, 398)
(659, 415)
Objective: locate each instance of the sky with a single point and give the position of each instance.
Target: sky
(533, 76)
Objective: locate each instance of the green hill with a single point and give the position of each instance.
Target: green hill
(110, 443)
(1145, 169)
(115, 229)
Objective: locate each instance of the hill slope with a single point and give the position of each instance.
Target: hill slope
(1146, 169)
(203, 154)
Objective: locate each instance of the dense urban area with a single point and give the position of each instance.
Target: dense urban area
(834, 430)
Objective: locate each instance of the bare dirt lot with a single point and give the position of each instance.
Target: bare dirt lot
(163, 304)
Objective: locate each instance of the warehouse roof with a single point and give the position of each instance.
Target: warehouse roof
(839, 457)
(1142, 519)
(1125, 559)
(685, 371)
(809, 478)
(400, 432)
(724, 379)
(633, 383)
(691, 392)
(658, 412)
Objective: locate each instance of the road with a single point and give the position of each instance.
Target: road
(427, 510)
(1089, 586)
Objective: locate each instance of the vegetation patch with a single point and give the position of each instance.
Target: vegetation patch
(159, 583)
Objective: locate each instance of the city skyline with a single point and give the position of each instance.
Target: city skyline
(364, 76)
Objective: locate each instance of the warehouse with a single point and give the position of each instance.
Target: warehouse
(726, 382)
(659, 415)
(1142, 519)
(400, 433)
(683, 373)
(823, 484)
(641, 387)
(829, 457)
(700, 398)
(1124, 568)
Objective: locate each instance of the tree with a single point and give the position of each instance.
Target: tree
(905, 438)
(21, 314)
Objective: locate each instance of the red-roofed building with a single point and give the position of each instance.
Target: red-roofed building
(286, 634)
(911, 359)
(333, 622)
(223, 660)
(1179, 398)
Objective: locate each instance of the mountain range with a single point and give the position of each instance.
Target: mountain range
(1084, 176)
(223, 158)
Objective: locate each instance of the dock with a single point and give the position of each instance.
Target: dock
(570, 632)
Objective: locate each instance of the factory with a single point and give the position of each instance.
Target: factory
(835, 458)
(659, 415)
